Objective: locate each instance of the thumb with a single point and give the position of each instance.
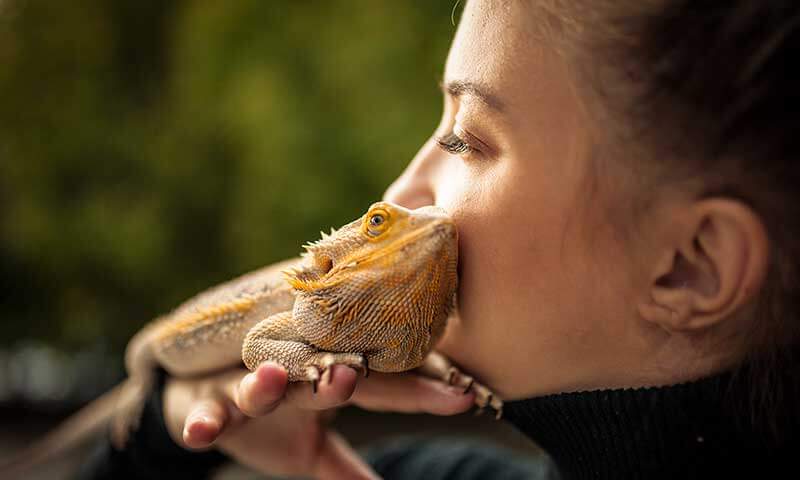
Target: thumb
(338, 460)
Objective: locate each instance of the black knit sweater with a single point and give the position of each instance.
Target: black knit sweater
(691, 430)
(681, 431)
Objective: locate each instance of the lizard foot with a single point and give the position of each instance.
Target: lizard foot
(319, 368)
(483, 396)
(438, 366)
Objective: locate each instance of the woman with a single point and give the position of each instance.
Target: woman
(622, 177)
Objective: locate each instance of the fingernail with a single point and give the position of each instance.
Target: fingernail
(247, 381)
(200, 418)
(201, 428)
(206, 419)
(270, 365)
(268, 371)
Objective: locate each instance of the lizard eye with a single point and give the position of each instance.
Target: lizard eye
(376, 220)
(376, 223)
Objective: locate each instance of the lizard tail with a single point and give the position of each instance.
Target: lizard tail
(71, 433)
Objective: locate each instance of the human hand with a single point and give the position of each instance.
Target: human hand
(280, 428)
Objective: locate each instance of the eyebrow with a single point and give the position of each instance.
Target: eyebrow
(459, 88)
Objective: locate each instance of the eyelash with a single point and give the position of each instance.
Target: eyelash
(453, 144)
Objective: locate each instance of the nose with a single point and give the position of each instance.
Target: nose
(414, 188)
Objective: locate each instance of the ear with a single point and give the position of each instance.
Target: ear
(712, 263)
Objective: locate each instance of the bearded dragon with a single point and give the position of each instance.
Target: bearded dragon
(373, 295)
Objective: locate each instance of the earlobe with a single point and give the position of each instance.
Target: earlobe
(712, 264)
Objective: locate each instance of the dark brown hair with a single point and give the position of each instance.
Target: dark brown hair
(716, 94)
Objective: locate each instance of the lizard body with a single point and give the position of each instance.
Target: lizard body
(381, 292)
(374, 294)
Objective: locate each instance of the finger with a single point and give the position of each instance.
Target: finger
(338, 460)
(334, 388)
(205, 422)
(261, 391)
(411, 393)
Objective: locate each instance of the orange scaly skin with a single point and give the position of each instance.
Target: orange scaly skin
(375, 294)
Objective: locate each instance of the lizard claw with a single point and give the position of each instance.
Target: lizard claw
(319, 368)
(499, 414)
(483, 396)
(469, 386)
(361, 365)
(313, 375)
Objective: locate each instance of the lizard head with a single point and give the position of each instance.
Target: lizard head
(390, 274)
(386, 239)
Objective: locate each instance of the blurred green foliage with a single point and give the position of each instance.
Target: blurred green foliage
(150, 149)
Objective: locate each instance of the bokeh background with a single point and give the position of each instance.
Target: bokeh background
(149, 149)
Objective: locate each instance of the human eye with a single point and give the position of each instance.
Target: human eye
(453, 144)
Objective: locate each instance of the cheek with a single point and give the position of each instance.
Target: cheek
(517, 238)
(529, 279)
(517, 261)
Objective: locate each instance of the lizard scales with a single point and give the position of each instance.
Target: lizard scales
(379, 293)
(374, 294)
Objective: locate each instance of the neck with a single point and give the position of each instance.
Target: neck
(679, 431)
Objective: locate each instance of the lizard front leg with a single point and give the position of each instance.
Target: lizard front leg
(277, 339)
(440, 367)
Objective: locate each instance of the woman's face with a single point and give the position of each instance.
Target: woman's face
(546, 287)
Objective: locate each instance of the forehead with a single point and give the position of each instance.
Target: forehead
(498, 45)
